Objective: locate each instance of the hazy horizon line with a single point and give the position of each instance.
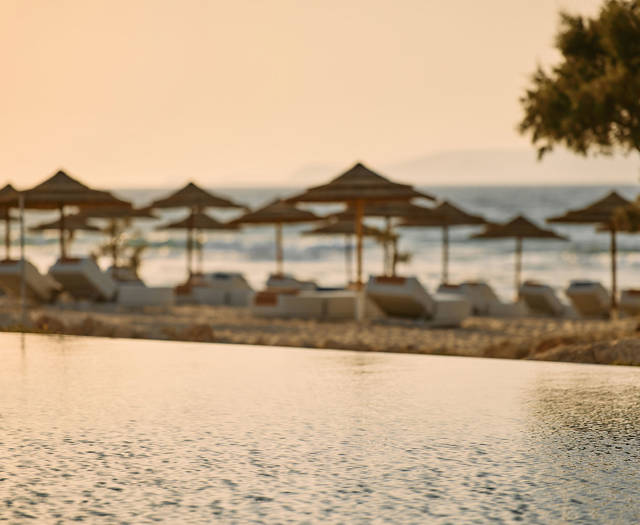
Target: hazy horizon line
(487, 185)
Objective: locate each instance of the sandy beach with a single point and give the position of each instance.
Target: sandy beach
(586, 341)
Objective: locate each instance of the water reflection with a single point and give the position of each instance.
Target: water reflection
(136, 430)
(584, 427)
(589, 400)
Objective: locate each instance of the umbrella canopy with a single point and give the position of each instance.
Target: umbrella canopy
(347, 228)
(626, 219)
(9, 198)
(197, 200)
(118, 212)
(71, 223)
(518, 228)
(196, 220)
(358, 185)
(603, 213)
(387, 210)
(277, 213)
(193, 196)
(444, 216)
(62, 190)
(343, 227)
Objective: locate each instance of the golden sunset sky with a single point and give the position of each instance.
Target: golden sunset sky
(134, 93)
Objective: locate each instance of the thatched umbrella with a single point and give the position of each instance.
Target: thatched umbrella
(357, 186)
(124, 213)
(197, 200)
(347, 228)
(443, 216)
(388, 211)
(9, 198)
(601, 212)
(70, 225)
(193, 196)
(277, 213)
(518, 228)
(197, 221)
(61, 190)
(119, 217)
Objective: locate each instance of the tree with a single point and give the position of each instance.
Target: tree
(590, 101)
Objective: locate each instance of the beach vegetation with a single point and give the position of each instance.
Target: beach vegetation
(589, 101)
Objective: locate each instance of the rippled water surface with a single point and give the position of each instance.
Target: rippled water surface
(138, 431)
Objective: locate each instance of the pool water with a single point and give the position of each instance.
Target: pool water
(124, 431)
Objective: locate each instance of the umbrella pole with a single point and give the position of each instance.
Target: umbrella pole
(359, 214)
(190, 246)
(614, 280)
(518, 266)
(388, 264)
(189, 252)
(7, 235)
(385, 257)
(445, 254)
(347, 257)
(63, 248)
(394, 255)
(279, 252)
(360, 299)
(23, 262)
(114, 246)
(200, 245)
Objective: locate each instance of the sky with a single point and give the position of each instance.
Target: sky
(136, 93)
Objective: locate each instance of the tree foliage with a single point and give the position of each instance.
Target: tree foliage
(590, 101)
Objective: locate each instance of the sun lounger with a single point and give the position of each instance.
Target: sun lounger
(216, 289)
(38, 287)
(401, 296)
(589, 298)
(223, 289)
(542, 300)
(268, 303)
(132, 292)
(406, 297)
(134, 296)
(630, 302)
(311, 304)
(124, 275)
(288, 282)
(484, 301)
(83, 279)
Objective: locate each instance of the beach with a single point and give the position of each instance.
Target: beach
(581, 341)
(252, 251)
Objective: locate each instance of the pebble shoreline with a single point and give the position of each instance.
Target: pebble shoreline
(581, 341)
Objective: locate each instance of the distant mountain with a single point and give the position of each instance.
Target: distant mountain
(492, 167)
(487, 167)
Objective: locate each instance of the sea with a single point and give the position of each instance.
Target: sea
(129, 431)
(252, 250)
